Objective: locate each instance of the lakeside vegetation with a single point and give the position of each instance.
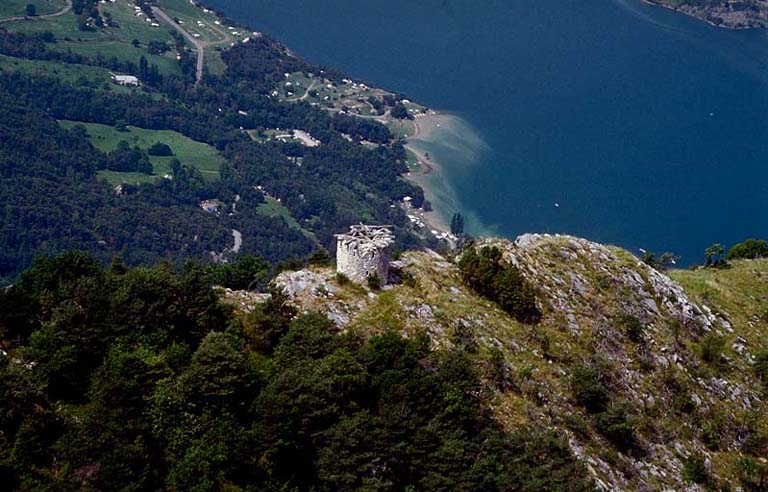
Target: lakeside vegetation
(59, 70)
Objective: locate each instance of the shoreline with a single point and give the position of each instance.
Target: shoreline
(424, 125)
(678, 10)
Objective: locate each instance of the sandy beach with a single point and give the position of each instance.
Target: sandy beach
(425, 126)
(446, 146)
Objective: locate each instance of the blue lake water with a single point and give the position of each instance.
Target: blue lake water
(649, 129)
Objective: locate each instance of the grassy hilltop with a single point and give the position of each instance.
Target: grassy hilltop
(619, 378)
(656, 384)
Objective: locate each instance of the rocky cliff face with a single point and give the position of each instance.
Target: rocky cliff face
(744, 14)
(676, 363)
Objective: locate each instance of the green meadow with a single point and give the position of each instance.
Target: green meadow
(14, 8)
(194, 154)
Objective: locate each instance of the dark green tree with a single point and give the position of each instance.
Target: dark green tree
(457, 224)
(713, 253)
(749, 249)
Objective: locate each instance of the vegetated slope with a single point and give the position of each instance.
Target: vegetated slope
(724, 13)
(656, 387)
(58, 69)
(140, 379)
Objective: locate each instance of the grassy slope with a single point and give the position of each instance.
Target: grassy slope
(13, 8)
(597, 286)
(195, 154)
(99, 77)
(196, 21)
(117, 41)
(109, 41)
(272, 208)
(740, 291)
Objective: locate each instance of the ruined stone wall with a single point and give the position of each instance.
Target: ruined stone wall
(357, 263)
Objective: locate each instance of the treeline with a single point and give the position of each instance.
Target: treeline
(52, 201)
(486, 273)
(140, 379)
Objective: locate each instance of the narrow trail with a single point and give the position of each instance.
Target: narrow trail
(61, 12)
(309, 89)
(199, 45)
(238, 237)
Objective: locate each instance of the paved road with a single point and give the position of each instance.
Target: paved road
(46, 16)
(199, 45)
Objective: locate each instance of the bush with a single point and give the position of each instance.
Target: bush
(711, 349)
(753, 474)
(749, 249)
(160, 149)
(373, 281)
(695, 469)
(632, 327)
(761, 366)
(615, 425)
(157, 47)
(715, 429)
(588, 389)
(502, 283)
(342, 279)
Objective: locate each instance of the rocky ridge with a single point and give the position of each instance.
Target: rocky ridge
(678, 404)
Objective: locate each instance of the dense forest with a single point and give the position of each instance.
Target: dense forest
(139, 379)
(337, 184)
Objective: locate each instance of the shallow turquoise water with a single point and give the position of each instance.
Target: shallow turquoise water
(648, 129)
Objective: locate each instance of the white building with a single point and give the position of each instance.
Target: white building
(128, 80)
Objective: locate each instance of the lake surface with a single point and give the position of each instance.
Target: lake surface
(647, 128)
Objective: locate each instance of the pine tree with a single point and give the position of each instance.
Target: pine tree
(457, 224)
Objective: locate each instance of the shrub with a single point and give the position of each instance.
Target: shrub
(160, 149)
(714, 429)
(342, 279)
(632, 327)
(664, 262)
(373, 281)
(695, 469)
(711, 349)
(761, 366)
(683, 404)
(502, 283)
(588, 389)
(753, 474)
(615, 425)
(749, 249)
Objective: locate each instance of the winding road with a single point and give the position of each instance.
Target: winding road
(63, 11)
(199, 45)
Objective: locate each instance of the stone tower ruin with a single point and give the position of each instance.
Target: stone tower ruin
(364, 251)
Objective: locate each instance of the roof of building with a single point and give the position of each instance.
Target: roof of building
(126, 78)
(368, 237)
